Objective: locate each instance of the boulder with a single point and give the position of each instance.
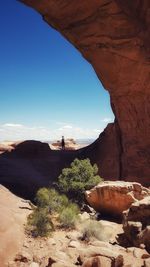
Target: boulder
(97, 262)
(92, 252)
(107, 254)
(136, 223)
(112, 198)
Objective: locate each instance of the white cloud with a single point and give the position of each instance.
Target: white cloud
(67, 127)
(79, 132)
(61, 123)
(12, 125)
(97, 130)
(107, 120)
(15, 132)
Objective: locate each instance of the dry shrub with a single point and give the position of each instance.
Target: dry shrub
(92, 229)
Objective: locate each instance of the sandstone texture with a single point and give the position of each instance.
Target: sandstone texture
(13, 214)
(114, 36)
(136, 223)
(112, 198)
(62, 248)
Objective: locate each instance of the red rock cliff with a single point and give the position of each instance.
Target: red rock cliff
(114, 36)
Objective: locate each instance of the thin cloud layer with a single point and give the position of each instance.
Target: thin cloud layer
(107, 120)
(15, 132)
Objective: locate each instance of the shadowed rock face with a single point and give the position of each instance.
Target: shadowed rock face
(31, 165)
(114, 36)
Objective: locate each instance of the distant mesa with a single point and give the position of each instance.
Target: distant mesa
(24, 148)
(32, 148)
(7, 146)
(70, 144)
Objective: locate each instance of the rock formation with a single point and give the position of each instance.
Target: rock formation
(13, 211)
(112, 198)
(6, 146)
(31, 165)
(137, 224)
(70, 144)
(114, 36)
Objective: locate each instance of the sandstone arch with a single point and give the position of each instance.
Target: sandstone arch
(114, 36)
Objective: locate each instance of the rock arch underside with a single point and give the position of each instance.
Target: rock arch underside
(114, 36)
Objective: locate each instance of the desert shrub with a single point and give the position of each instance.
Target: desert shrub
(39, 223)
(50, 199)
(68, 216)
(79, 177)
(92, 229)
(42, 197)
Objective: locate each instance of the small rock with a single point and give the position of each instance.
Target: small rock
(51, 242)
(74, 244)
(147, 263)
(94, 261)
(25, 245)
(23, 257)
(98, 261)
(59, 264)
(137, 253)
(50, 261)
(88, 209)
(142, 246)
(74, 235)
(130, 249)
(97, 243)
(41, 245)
(36, 258)
(34, 264)
(118, 262)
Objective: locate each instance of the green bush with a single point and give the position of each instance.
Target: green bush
(79, 177)
(50, 199)
(39, 223)
(68, 216)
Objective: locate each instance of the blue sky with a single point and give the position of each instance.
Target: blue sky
(47, 89)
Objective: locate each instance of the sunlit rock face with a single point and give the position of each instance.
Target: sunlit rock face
(112, 198)
(114, 36)
(14, 212)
